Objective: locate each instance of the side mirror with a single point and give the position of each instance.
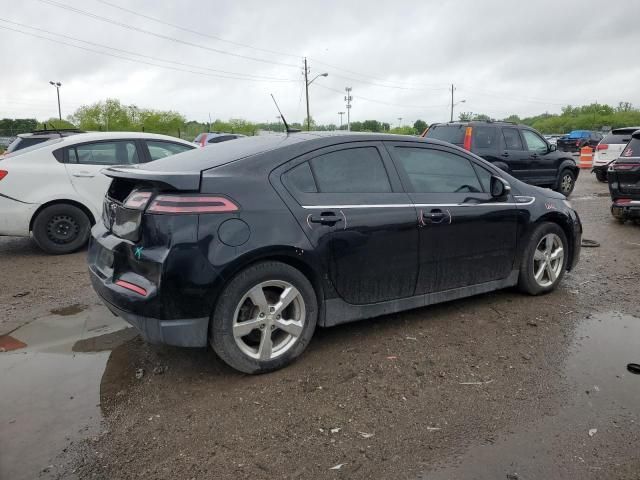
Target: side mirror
(553, 148)
(499, 187)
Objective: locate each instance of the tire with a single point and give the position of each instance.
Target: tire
(61, 228)
(566, 182)
(240, 303)
(527, 281)
(601, 176)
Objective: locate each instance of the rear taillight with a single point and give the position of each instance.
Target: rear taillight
(467, 138)
(137, 200)
(602, 146)
(3, 173)
(625, 166)
(578, 143)
(191, 204)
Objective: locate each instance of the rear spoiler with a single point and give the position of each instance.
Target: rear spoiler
(184, 181)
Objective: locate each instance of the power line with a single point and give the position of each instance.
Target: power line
(157, 59)
(136, 60)
(159, 35)
(383, 102)
(215, 37)
(517, 99)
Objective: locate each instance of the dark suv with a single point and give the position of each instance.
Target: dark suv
(516, 149)
(624, 182)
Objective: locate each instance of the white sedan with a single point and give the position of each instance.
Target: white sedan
(54, 190)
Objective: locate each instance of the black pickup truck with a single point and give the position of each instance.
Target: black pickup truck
(577, 139)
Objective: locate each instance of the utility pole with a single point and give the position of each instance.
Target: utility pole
(306, 86)
(399, 122)
(452, 102)
(340, 113)
(58, 85)
(348, 99)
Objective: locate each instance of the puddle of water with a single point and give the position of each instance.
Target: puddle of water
(603, 398)
(51, 393)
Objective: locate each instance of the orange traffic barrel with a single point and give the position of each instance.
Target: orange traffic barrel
(586, 157)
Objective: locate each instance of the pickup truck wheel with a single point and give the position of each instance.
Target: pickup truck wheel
(566, 182)
(61, 228)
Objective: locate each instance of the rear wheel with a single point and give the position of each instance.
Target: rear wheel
(566, 182)
(545, 259)
(61, 228)
(264, 318)
(601, 175)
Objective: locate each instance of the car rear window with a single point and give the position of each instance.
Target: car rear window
(24, 142)
(632, 150)
(617, 138)
(447, 133)
(578, 134)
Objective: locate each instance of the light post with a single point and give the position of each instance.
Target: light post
(57, 85)
(340, 113)
(455, 104)
(308, 82)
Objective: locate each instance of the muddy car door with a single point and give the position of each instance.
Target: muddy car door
(349, 201)
(466, 236)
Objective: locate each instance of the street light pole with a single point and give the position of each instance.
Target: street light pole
(58, 85)
(308, 82)
(340, 113)
(348, 99)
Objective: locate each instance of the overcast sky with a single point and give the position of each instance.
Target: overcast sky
(400, 58)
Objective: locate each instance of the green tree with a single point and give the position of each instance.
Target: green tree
(419, 126)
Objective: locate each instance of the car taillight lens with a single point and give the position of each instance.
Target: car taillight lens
(577, 143)
(191, 204)
(625, 166)
(137, 200)
(3, 173)
(132, 286)
(467, 138)
(602, 146)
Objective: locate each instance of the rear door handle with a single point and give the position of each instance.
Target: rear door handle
(434, 216)
(325, 218)
(84, 174)
(505, 154)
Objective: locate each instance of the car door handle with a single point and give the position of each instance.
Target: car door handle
(505, 154)
(434, 216)
(325, 218)
(84, 174)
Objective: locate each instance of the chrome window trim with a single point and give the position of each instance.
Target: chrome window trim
(520, 200)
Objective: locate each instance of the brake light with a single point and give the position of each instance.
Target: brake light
(625, 166)
(467, 138)
(602, 146)
(191, 204)
(132, 286)
(137, 200)
(622, 201)
(577, 143)
(3, 173)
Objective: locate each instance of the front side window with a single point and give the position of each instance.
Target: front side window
(436, 171)
(354, 170)
(104, 153)
(534, 142)
(165, 149)
(512, 139)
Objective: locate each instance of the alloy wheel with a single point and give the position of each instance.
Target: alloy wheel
(567, 183)
(269, 320)
(548, 260)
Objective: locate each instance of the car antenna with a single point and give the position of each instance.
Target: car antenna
(54, 128)
(286, 125)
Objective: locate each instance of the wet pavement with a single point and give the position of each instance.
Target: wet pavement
(50, 392)
(491, 387)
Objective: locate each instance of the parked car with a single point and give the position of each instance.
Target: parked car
(251, 248)
(624, 182)
(517, 149)
(609, 149)
(55, 190)
(205, 139)
(552, 139)
(577, 139)
(25, 140)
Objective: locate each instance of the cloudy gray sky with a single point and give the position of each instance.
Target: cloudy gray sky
(224, 58)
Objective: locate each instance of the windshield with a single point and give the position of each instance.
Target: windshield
(447, 133)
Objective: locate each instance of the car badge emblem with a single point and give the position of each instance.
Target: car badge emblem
(138, 252)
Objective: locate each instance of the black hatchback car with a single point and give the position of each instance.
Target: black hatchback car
(624, 182)
(517, 149)
(251, 245)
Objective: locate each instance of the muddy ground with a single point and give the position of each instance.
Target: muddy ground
(491, 387)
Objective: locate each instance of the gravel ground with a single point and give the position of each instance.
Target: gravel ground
(504, 378)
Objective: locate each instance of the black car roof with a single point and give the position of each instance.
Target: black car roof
(225, 152)
(623, 130)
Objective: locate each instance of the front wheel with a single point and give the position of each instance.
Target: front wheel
(566, 182)
(264, 318)
(544, 260)
(61, 228)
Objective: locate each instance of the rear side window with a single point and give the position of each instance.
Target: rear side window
(165, 149)
(24, 142)
(447, 133)
(512, 140)
(435, 171)
(484, 137)
(354, 170)
(104, 153)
